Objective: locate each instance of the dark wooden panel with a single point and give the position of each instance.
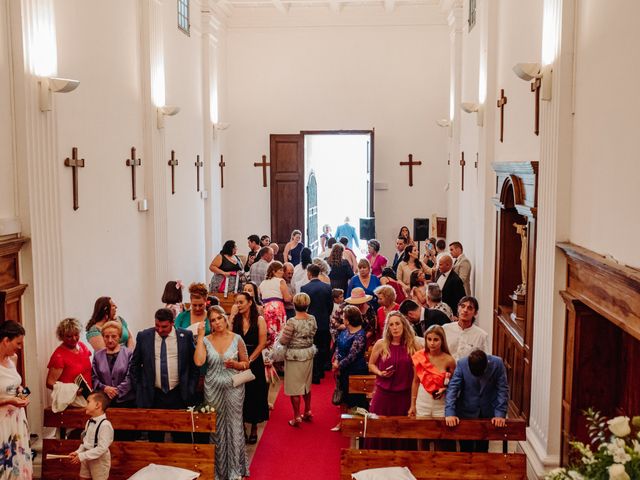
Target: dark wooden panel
(131, 419)
(437, 465)
(407, 427)
(8, 271)
(362, 384)
(129, 457)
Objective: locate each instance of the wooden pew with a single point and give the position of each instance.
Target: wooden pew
(225, 302)
(129, 457)
(362, 384)
(432, 465)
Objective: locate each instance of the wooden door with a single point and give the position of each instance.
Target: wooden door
(287, 187)
(312, 214)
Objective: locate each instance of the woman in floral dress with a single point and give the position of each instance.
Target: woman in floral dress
(15, 456)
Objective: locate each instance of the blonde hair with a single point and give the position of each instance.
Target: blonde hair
(66, 326)
(408, 335)
(301, 302)
(112, 324)
(438, 330)
(386, 291)
(363, 262)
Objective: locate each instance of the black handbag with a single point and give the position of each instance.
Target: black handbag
(338, 394)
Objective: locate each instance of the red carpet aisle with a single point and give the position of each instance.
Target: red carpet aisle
(310, 451)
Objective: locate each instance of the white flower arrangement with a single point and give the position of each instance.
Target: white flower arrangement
(615, 454)
(204, 408)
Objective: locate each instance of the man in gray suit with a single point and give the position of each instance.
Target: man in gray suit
(461, 265)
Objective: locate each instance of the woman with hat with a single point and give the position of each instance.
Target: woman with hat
(359, 299)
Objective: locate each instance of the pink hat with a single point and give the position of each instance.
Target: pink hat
(358, 297)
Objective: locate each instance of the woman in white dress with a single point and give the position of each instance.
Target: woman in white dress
(15, 461)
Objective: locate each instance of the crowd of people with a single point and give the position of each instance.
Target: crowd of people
(409, 321)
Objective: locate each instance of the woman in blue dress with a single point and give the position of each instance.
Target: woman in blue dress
(351, 345)
(224, 354)
(293, 248)
(365, 280)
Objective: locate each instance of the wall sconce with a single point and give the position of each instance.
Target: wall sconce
(54, 84)
(218, 126)
(444, 123)
(168, 111)
(471, 107)
(531, 71)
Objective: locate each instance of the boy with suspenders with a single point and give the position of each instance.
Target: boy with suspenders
(93, 454)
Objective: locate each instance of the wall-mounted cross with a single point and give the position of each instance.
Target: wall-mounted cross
(264, 166)
(198, 164)
(502, 101)
(133, 162)
(172, 163)
(74, 162)
(535, 87)
(462, 164)
(410, 164)
(221, 164)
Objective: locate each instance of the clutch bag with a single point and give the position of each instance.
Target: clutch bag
(243, 377)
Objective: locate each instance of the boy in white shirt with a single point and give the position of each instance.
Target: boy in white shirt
(93, 454)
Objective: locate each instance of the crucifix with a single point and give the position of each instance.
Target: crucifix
(502, 101)
(222, 165)
(535, 87)
(462, 164)
(264, 166)
(133, 162)
(410, 164)
(198, 164)
(172, 163)
(74, 162)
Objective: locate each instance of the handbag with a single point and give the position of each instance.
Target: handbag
(243, 377)
(338, 394)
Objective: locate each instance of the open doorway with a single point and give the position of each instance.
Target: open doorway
(338, 182)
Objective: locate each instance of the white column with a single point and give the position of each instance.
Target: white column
(455, 21)
(212, 29)
(155, 157)
(556, 122)
(34, 46)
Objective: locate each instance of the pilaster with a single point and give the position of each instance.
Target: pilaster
(543, 434)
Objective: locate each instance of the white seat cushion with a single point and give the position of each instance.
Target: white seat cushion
(163, 472)
(386, 473)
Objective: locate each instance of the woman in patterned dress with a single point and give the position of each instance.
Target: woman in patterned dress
(15, 456)
(274, 293)
(224, 354)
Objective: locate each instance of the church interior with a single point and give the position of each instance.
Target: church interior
(136, 137)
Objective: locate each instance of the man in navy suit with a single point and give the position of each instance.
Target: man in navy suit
(162, 368)
(321, 307)
(477, 389)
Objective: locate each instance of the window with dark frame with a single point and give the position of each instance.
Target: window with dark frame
(472, 14)
(183, 16)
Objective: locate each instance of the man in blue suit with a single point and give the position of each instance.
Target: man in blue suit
(478, 389)
(321, 307)
(162, 368)
(347, 231)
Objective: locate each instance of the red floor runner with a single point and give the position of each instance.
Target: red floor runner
(310, 451)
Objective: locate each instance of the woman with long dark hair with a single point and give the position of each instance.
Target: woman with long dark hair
(409, 263)
(300, 270)
(248, 323)
(341, 271)
(104, 310)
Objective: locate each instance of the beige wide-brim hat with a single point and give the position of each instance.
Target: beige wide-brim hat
(358, 297)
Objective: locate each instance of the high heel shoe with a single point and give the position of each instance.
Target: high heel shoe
(307, 416)
(336, 428)
(295, 421)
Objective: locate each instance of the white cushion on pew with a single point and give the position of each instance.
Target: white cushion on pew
(386, 473)
(163, 472)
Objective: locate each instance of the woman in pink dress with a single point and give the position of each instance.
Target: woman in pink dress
(377, 261)
(274, 293)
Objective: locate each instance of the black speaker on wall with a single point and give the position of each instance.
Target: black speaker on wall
(368, 228)
(420, 229)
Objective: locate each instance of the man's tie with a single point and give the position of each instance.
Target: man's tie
(164, 367)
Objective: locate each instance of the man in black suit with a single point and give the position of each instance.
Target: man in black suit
(449, 282)
(321, 307)
(163, 370)
(422, 318)
(401, 244)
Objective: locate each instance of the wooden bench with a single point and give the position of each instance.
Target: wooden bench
(432, 465)
(225, 302)
(129, 457)
(362, 384)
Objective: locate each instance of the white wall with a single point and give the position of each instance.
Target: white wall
(605, 195)
(7, 164)
(284, 78)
